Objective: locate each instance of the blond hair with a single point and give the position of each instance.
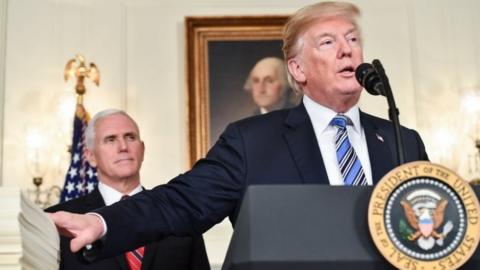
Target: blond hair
(298, 23)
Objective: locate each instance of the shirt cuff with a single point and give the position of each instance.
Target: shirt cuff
(103, 223)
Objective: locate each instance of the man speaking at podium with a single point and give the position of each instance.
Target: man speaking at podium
(324, 140)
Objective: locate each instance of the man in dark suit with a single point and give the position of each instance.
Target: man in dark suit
(114, 147)
(324, 140)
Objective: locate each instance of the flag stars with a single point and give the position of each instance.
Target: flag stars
(72, 172)
(76, 158)
(90, 173)
(70, 187)
(80, 177)
(90, 187)
(80, 188)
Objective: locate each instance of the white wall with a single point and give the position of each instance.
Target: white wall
(3, 29)
(429, 49)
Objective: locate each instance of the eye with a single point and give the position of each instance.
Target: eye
(353, 39)
(131, 137)
(110, 139)
(325, 43)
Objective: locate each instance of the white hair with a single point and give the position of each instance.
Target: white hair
(274, 63)
(90, 130)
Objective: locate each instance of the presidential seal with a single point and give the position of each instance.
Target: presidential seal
(424, 216)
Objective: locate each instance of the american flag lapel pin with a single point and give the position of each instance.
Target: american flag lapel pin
(380, 138)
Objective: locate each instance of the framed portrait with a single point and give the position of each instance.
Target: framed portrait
(221, 51)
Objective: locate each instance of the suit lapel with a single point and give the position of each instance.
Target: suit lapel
(94, 200)
(381, 161)
(303, 145)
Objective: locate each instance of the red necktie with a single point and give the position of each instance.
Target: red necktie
(134, 257)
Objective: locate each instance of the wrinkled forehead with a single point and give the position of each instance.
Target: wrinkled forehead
(330, 26)
(115, 124)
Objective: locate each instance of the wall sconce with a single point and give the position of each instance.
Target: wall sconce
(38, 160)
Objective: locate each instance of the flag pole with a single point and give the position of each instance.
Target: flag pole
(81, 178)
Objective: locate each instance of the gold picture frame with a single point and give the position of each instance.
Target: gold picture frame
(200, 33)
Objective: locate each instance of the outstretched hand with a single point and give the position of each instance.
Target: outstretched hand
(83, 229)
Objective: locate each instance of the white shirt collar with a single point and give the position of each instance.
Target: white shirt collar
(323, 115)
(111, 195)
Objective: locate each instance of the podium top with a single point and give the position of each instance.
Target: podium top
(306, 227)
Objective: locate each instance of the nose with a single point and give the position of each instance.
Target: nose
(263, 86)
(345, 49)
(259, 87)
(122, 145)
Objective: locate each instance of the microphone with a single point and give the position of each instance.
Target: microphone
(368, 77)
(373, 78)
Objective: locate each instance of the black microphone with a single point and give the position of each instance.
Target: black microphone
(368, 77)
(373, 78)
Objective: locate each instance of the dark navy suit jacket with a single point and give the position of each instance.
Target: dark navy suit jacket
(275, 148)
(172, 253)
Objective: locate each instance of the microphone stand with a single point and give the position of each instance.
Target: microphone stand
(392, 110)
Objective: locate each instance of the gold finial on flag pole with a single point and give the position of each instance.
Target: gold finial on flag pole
(76, 67)
(80, 174)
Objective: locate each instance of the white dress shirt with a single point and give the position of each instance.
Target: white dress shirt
(325, 134)
(111, 195)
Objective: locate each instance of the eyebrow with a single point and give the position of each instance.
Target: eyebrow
(329, 34)
(113, 136)
(131, 134)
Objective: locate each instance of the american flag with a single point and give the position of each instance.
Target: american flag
(81, 178)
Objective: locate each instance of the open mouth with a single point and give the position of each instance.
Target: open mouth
(347, 69)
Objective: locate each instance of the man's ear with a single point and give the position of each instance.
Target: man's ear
(143, 149)
(295, 66)
(90, 157)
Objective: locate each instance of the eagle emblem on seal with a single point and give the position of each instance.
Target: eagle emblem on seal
(425, 211)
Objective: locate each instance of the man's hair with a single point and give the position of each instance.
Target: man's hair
(90, 130)
(299, 22)
(279, 67)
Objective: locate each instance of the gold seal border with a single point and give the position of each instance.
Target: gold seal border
(417, 169)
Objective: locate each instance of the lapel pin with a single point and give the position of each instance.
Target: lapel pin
(380, 138)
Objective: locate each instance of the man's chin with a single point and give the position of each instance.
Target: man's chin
(125, 175)
(352, 91)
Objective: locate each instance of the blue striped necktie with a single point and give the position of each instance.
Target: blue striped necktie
(350, 166)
